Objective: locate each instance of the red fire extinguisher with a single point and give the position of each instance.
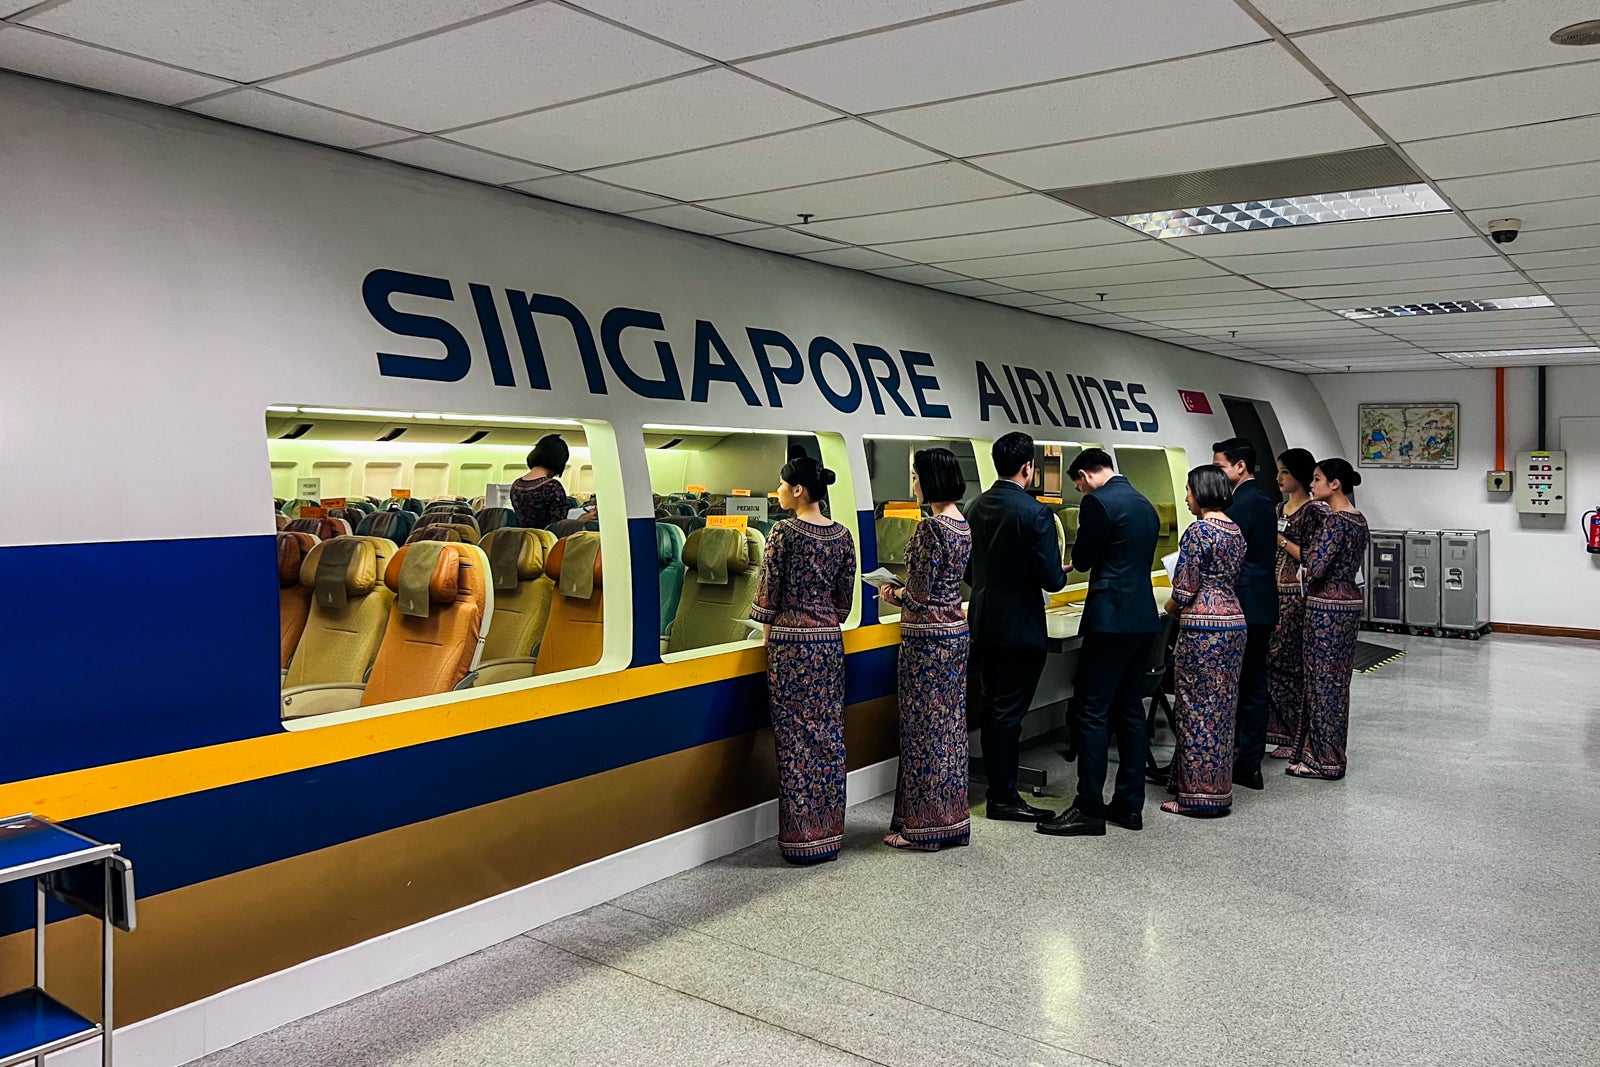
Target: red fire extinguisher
(1591, 529)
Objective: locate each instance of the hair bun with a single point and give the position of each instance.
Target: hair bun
(828, 477)
(1355, 478)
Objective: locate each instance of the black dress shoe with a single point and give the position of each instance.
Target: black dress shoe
(1073, 823)
(1248, 779)
(1020, 811)
(1128, 820)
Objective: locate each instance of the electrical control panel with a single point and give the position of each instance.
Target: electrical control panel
(1539, 485)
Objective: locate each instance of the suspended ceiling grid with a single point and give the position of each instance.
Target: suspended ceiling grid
(920, 136)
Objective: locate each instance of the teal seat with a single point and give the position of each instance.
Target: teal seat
(669, 563)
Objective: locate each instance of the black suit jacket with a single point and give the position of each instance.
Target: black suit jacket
(1117, 535)
(1257, 584)
(1014, 557)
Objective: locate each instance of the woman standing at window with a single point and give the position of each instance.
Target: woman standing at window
(538, 497)
(930, 799)
(1333, 621)
(1286, 656)
(1210, 653)
(806, 588)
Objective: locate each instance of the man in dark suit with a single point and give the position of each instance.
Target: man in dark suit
(1257, 585)
(1015, 558)
(1117, 534)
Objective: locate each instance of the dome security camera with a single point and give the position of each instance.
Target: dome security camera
(1504, 231)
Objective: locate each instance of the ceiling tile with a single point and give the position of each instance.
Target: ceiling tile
(1562, 290)
(1463, 41)
(1523, 186)
(1185, 90)
(81, 64)
(1098, 278)
(857, 259)
(801, 157)
(918, 273)
(1327, 235)
(1007, 242)
(763, 25)
(705, 108)
(685, 217)
(1316, 259)
(1001, 46)
(1293, 16)
(248, 40)
(1571, 257)
(1567, 274)
(899, 190)
(1566, 238)
(268, 111)
(1486, 103)
(586, 192)
(528, 58)
(1020, 300)
(947, 220)
(969, 287)
(1546, 144)
(1222, 283)
(1549, 215)
(463, 162)
(1192, 300)
(1399, 290)
(11, 7)
(1134, 252)
(1305, 130)
(1485, 264)
(781, 240)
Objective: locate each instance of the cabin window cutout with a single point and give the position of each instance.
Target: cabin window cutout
(285, 480)
(515, 595)
(475, 480)
(1162, 475)
(895, 508)
(706, 478)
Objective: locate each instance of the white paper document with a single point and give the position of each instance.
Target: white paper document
(881, 577)
(1171, 564)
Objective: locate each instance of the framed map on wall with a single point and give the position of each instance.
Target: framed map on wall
(1416, 435)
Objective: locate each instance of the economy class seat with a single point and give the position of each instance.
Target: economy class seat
(492, 519)
(574, 636)
(443, 603)
(322, 529)
(282, 521)
(438, 531)
(413, 505)
(669, 570)
(522, 599)
(456, 518)
(349, 611)
(719, 585)
(393, 526)
(294, 600)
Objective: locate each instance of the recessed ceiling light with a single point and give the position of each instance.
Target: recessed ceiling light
(1520, 353)
(1417, 199)
(1579, 33)
(1447, 307)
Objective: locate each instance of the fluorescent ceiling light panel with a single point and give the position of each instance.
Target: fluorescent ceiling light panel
(1448, 307)
(1266, 214)
(1517, 353)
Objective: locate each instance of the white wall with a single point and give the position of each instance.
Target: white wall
(1539, 571)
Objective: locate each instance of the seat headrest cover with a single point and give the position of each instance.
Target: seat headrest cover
(292, 549)
(424, 574)
(438, 531)
(669, 544)
(704, 546)
(514, 556)
(574, 565)
(339, 569)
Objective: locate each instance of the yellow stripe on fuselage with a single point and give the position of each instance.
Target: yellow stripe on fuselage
(75, 794)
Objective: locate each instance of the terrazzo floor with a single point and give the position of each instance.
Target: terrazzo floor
(1440, 906)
